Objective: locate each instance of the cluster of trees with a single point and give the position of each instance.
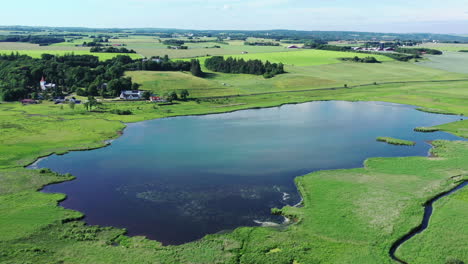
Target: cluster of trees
(165, 64)
(400, 56)
(321, 46)
(111, 50)
(35, 39)
(232, 65)
(173, 42)
(396, 56)
(261, 43)
(177, 47)
(362, 60)
(419, 51)
(83, 74)
(172, 96)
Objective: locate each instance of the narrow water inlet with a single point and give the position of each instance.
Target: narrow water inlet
(428, 209)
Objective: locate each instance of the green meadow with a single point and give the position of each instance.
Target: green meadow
(308, 57)
(318, 70)
(347, 216)
(39, 52)
(449, 61)
(447, 230)
(444, 46)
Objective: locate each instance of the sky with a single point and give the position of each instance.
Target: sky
(405, 16)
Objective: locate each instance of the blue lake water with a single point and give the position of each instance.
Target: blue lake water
(177, 179)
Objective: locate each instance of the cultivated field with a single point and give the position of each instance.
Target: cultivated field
(321, 70)
(305, 57)
(444, 46)
(38, 53)
(449, 61)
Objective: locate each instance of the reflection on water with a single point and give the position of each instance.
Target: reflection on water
(177, 179)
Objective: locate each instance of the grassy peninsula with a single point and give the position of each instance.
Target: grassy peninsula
(396, 141)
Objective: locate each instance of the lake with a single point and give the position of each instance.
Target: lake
(177, 179)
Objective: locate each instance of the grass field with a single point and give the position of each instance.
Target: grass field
(449, 61)
(18, 46)
(349, 216)
(305, 57)
(448, 229)
(297, 78)
(38, 53)
(444, 46)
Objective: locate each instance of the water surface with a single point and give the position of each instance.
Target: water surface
(177, 179)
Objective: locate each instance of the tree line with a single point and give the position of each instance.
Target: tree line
(233, 65)
(368, 59)
(111, 50)
(247, 43)
(35, 39)
(83, 74)
(419, 51)
(396, 56)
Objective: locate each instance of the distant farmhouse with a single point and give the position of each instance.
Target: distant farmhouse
(293, 47)
(157, 99)
(45, 85)
(131, 95)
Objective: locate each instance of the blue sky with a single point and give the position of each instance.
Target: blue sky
(449, 16)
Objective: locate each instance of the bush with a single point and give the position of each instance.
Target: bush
(121, 112)
(81, 92)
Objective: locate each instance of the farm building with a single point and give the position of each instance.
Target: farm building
(45, 85)
(131, 95)
(28, 101)
(157, 99)
(293, 47)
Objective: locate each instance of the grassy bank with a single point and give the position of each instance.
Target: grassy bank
(396, 141)
(447, 230)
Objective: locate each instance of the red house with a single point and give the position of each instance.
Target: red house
(28, 101)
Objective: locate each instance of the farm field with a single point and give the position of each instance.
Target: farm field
(297, 77)
(444, 46)
(20, 46)
(38, 53)
(153, 46)
(449, 61)
(305, 57)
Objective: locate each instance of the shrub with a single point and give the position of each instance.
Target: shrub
(121, 112)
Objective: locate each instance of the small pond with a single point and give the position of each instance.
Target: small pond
(177, 179)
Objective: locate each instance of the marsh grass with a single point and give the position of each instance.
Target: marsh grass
(395, 141)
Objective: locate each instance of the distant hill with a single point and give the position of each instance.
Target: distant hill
(242, 34)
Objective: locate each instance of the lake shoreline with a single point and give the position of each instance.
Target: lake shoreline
(107, 142)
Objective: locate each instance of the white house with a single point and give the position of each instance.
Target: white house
(131, 95)
(45, 85)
